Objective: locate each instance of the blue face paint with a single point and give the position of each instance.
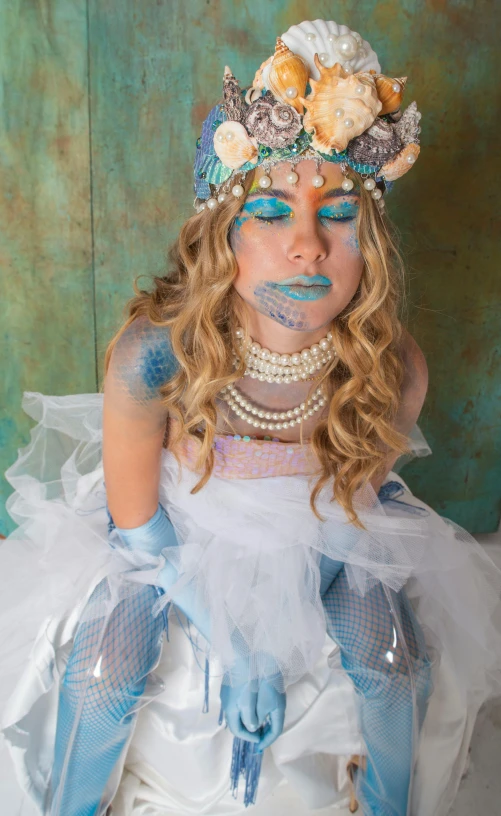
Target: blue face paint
(273, 303)
(268, 210)
(346, 211)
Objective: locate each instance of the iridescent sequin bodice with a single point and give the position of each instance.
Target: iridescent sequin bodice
(243, 457)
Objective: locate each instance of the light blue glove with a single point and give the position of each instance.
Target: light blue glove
(245, 711)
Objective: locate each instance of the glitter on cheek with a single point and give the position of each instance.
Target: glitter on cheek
(351, 241)
(277, 306)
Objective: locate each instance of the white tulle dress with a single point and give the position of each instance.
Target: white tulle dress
(251, 520)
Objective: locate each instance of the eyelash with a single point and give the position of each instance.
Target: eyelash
(269, 219)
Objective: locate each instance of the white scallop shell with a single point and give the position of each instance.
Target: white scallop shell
(295, 39)
(234, 146)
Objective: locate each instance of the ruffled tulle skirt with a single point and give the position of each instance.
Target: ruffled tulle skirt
(259, 540)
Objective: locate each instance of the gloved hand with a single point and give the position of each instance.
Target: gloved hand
(255, 716)
(237, 699)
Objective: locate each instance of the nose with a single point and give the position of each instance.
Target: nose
(307, 245)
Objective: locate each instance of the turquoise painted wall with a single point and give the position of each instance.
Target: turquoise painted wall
(100, 106)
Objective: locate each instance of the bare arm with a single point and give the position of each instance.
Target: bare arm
(413, 394)
(134, 421)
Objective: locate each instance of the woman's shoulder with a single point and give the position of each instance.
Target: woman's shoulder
(415, 382)
(142, 357)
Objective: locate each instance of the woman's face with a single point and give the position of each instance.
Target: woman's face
(291, 230)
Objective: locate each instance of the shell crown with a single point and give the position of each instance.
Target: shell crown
(321, 93)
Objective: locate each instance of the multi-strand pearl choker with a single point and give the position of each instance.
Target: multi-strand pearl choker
(272, 367)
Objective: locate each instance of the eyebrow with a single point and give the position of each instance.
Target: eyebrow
(272, 192)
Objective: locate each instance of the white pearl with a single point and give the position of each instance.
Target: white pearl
(202, 207)
(315, 349)
(229, 136)
(395, 87)
(318, 181)
(265, 181)
(348, 122)
(275, 357)
(332, 38)
(324, 344)
(360, 89)
(347, 184)
(221, 197)
(296, 358)
(305, 354)
(411, 159)
(239, 332)
(285, 359)
(237, 190)
(212, 203)
(323, 57)
(291, 92)
(347, 46)
(292, 177)
(265, 354)
(347, 67)
(369, 184)
(339, 112)
(311, 36)
(362, 52)
(376, 194)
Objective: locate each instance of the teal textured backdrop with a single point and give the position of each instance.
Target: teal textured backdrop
(100, 107)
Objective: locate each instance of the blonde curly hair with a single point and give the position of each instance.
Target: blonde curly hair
(200, 306)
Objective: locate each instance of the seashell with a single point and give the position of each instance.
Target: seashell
(252, 94)
(407, 126)
(288, 73)
(233, 104)
(377, 145)
(234, 146)
(272, 123)
(390, 92)
(333, 43)
(401, 163)
(354, 94)
(258, 76)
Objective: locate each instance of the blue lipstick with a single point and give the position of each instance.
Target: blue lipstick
(304, 287)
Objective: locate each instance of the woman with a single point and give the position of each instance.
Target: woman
(330, 619)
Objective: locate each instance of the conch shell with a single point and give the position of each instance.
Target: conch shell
(378, 144)
(401, 163)
(234, 146)
(288, 72)
(390, 92)
(354, 94)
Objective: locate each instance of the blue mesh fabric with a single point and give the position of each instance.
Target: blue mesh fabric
(105, 677)
(384, 653)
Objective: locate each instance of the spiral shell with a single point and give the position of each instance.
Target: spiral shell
(336, 90)
(288, 72)
(233, 104)
(234, 146)
(407, 126)
(401, 163)
(378, 144)
(271, 123)
(332, 42)
(390, 92)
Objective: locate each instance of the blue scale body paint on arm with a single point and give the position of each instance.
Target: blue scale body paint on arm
(143, 360)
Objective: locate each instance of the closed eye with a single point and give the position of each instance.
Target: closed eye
(269, 218)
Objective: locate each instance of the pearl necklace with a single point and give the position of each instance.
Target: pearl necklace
(272, 367)
(260, 418)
